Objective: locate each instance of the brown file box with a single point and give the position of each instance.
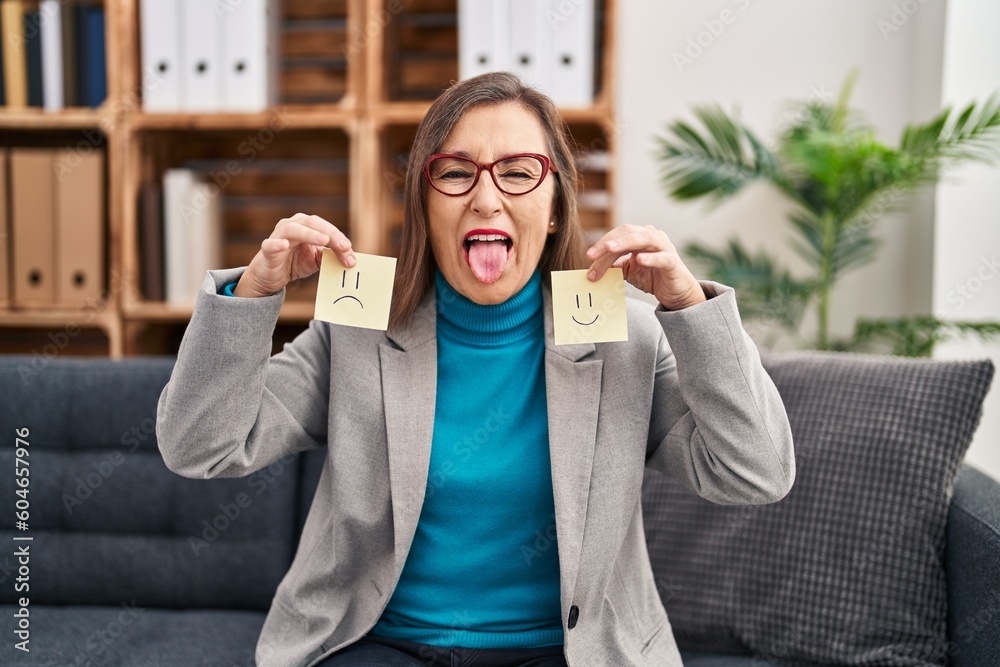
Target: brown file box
(32, 194)
(5, 238)
(79, 226)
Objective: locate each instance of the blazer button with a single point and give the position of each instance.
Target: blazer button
(574, 613)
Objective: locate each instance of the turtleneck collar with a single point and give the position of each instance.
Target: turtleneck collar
(498, 324)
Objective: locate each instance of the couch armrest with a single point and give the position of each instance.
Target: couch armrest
(972, 561)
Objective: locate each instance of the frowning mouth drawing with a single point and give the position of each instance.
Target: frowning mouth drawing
(357, 285)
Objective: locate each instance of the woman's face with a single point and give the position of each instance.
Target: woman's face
(490, 272)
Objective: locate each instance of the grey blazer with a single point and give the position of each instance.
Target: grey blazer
(685, 395)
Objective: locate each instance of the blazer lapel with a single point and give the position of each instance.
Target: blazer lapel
(409, 383)
(573, 390)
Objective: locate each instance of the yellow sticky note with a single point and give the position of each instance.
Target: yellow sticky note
(359, 296)
(588, 312)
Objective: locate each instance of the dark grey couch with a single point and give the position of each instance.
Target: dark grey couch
(131, 564)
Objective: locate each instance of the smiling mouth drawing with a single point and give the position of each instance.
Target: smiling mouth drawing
(348, 296)
(586, 324)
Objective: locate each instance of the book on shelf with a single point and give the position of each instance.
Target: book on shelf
(200, 55)
(249, 36)
(199, 58)
(192, 233)
(483, 35)
(33, 57)
(53, 54)
(5, 238)
(151, 241)
(159, 30)
(574, 51)
(3, 94)
(79, 220)
(550, 44)
(57, 208)
(32, 192)
(529, 44)
(92, 83)
(14, 53)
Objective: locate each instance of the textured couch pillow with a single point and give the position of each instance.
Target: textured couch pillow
(849, 567)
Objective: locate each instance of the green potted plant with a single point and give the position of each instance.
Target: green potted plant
(840, 179)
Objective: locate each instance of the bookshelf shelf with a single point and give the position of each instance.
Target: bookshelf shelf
(356, 78)
(151, 311)
(101, 315)
(318, 117)
(32, 118)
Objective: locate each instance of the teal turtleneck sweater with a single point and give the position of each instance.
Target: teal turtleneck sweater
(483, 571)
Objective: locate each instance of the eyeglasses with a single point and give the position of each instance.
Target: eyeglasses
(517, 174)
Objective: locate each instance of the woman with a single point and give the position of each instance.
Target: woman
(480, 502)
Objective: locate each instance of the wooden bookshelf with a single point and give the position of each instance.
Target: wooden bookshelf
(356, 78)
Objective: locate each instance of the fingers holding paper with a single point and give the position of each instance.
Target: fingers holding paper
(649, 262)
(294, 250)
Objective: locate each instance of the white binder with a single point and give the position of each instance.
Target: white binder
(483, 37)
(177, 184)
(201, 54)
(573, 48)
(250, 45)
(531, 43)
(162, 84)
(50, 13)
(206, 233)
(192, 231)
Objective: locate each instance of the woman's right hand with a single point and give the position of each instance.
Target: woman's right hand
(294, 250)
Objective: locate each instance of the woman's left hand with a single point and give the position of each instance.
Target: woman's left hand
(649, 261)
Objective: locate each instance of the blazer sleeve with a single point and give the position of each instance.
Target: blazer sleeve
(230, 408)
(718, 424)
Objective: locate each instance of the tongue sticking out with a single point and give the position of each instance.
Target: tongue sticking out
(487, 259)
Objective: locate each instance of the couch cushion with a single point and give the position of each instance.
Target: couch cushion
(110, 522)
(848, 568)
(128, 634)
(973, 562)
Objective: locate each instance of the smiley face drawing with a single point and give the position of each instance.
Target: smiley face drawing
(590, 300)
(342, 297)
(588, 312)
(357, 286)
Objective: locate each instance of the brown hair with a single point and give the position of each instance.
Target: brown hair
(563, 250)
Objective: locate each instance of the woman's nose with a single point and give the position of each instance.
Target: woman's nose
(486, 198)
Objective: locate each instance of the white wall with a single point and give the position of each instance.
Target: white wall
(967, 221)
(770, 52)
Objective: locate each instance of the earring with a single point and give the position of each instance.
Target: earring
(552, 223)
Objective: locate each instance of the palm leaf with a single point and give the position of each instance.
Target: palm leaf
(765, 293)
(971, 134)
(852, 246)
(811, 246)
(717, 164)
(915, 336)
